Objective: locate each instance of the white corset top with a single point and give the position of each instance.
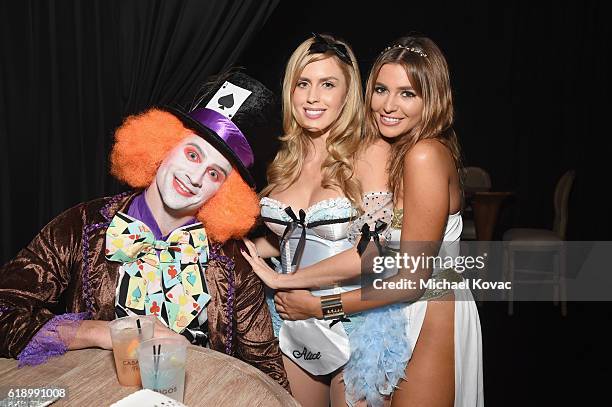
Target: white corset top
(310, 235)
(328, 219)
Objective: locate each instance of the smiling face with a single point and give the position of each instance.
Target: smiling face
(319, 95)
(396, 106)
(191, 174)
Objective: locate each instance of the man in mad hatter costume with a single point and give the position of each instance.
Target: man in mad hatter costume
(166, 249)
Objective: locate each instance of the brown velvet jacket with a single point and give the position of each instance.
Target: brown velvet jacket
(64, 270)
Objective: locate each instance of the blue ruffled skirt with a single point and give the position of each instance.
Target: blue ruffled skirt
(379, 354)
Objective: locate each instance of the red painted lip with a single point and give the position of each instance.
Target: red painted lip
(181, 188)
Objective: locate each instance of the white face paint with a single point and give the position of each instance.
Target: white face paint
(191, 174)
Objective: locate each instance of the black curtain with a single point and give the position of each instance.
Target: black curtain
(71, 70)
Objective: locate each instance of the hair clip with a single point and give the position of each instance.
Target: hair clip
(411, 49)
(321, 45)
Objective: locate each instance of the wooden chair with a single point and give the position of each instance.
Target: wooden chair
(542, 241)
(474, 179)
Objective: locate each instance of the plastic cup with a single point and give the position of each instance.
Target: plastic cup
(164, 372)
(126, 336)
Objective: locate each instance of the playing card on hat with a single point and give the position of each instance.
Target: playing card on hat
(228, 99)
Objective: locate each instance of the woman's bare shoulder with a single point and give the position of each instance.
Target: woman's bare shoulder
(429, 153)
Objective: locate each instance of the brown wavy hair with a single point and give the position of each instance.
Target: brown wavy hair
(429, 77)
(344, 137)
(141, 144)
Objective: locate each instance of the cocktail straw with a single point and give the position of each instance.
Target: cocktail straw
(139, 328)
(157, 368)
(155, 363)
(158, 355)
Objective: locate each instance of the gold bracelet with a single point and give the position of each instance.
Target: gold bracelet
(331, 306)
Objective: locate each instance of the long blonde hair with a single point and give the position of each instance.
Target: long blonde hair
(344, 135)
(427, 71)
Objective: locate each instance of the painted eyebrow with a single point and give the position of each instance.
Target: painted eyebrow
(202, 153)
(220, 169)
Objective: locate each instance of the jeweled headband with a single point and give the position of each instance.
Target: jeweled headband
(417, 51)
(322, 45)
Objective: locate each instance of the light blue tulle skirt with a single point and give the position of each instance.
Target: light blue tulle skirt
(380, 351)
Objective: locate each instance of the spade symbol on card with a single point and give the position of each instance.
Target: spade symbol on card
(226, 102)
(228, 99)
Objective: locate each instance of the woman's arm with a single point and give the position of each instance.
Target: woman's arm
(426, 178)
(343, 266)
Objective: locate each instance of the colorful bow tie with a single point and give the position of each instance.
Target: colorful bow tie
(161, 278)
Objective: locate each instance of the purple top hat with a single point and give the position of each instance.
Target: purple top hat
(228, 111)
(222, 134)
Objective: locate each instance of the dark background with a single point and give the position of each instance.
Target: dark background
(531, 86)
(531, 83)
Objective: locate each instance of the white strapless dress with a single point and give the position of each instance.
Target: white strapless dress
(468, 337)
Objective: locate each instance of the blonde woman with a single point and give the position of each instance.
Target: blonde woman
(313, 199)
(409, 104)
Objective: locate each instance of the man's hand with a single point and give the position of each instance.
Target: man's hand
(162, 331)
(96, 334)
(296, 305)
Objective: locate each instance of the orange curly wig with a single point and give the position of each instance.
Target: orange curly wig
(141, 144)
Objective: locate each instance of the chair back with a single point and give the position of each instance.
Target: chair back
(561, 202)
(475, 179)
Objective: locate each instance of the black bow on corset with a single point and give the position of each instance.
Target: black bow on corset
(301, 221)
(289, 231)
(367, 235)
